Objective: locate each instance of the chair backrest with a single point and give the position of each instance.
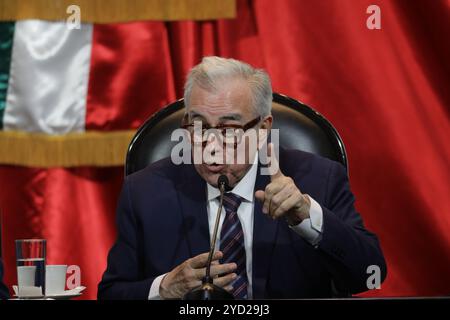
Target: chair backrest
(301, 127)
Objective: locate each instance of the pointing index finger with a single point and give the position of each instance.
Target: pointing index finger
(274, 167)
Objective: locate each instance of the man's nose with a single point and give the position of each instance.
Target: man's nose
(213, 142)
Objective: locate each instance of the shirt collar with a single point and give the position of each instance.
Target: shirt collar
(245, 187)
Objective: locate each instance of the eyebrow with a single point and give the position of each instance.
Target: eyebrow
(194, 114)
(230, 116)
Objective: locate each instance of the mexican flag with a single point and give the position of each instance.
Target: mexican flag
(70, 102)
(71, 94)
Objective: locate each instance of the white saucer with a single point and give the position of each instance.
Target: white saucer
(63, 296)
(67, 294)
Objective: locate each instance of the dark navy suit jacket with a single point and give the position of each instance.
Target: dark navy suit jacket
(162, 221)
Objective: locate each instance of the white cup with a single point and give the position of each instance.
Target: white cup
(55, 278)
(26, 276)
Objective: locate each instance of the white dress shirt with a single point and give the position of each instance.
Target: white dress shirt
(310, 229)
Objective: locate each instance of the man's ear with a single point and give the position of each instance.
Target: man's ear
(263, 135)
(267, 122)
(185, 119)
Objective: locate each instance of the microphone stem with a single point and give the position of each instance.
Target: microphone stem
(214, 239)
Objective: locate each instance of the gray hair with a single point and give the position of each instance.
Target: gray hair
(214, 69)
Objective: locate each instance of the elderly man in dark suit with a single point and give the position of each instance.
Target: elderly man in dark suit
(291, 234)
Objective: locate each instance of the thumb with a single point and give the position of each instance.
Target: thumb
(260, 195)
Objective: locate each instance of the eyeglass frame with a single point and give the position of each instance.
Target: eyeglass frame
(222, 128)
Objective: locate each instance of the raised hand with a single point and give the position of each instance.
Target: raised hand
(281, 197)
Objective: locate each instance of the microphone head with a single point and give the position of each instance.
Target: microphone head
(223, 181)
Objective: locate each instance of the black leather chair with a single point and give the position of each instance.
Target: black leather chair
(301, 127)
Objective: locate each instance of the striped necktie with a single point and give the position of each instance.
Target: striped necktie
(232, 244)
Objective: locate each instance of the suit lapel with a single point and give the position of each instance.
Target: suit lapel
(264, 234)
(192, 195)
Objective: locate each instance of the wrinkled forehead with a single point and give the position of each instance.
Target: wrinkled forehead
(230, 99)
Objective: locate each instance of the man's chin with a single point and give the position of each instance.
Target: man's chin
(212, 178)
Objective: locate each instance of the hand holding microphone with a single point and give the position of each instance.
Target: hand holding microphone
(202, 277)
(190, 273)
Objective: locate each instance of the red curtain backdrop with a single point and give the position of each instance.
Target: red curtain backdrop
(386, 91)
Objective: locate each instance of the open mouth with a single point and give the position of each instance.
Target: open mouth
(214, 167)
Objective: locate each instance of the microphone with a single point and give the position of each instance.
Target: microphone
(208, 290)
(222, 183)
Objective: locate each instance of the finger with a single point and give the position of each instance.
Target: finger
(274, 167)
(217, 256)
(259, 195)
(278, 198)
(200, 260)
(225, 280)
(223, 269)
(286, 206)
(271, 190)
(266, 203)
(220, 269)
(215, 262)
(229, 288)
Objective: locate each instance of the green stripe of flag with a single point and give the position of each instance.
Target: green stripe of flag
(6, 43)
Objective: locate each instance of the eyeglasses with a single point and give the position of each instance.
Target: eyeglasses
(228, 134)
